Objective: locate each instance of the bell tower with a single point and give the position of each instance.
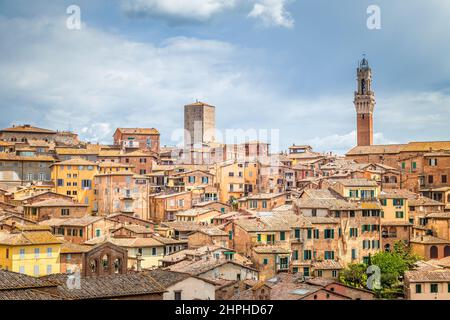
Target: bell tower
(364, 104)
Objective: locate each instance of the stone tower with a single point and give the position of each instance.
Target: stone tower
(199, 124)
(364, 104)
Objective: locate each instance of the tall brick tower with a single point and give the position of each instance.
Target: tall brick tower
(199, 124)
(364, 104)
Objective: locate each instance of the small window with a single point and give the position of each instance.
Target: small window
(434, 288)
(418, 288)
(36, 271)
(177, 295)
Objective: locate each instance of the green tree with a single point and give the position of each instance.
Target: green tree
(392, 268)
(354, 275)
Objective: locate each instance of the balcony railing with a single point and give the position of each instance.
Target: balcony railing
(130, 144)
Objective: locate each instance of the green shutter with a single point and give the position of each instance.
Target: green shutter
(282, 235)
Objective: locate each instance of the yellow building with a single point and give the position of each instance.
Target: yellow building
(35, 253)
(75, 178)
(394, 204)
(251, 170)
(357, 189)
(111, 167)
(230, 176)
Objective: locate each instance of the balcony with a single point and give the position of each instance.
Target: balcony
(385, 234)
(126, 195)
(130, 144)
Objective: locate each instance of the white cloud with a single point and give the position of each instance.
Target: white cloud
(188, 10)
(272, 13)
(93, 82)
(342, 143)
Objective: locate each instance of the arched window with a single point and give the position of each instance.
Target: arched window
(118, 265)
(105, 263)
(93, 265)
(433, 252)
(447, 251)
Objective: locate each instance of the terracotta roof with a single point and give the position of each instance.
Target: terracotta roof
(396, 193)
(396, 223)
(207, 203)
(212, 231)
(56, 203)
(75, 151)
(138, 130)
(12, 280)
(429, 240)
(199, 267)
(28, 129)
(439, 215)
(327, 265)
(32, 227)
(27, 294)
(264, 224)
(69, 247)
(73, 222)
(28, 238)
(375, 149)
(165, 240)
(426, 146)
(182, 225)
(196, 212)
(110, 286)
(109, 153)
(135, 229)
(12, 157)
(424, 201)
(126, 242)
(438, 275)
(357, 182)
(167, 278)
(38, 143)
(322, 220)
(271, 249)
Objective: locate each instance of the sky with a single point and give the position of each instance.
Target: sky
(287, 65)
